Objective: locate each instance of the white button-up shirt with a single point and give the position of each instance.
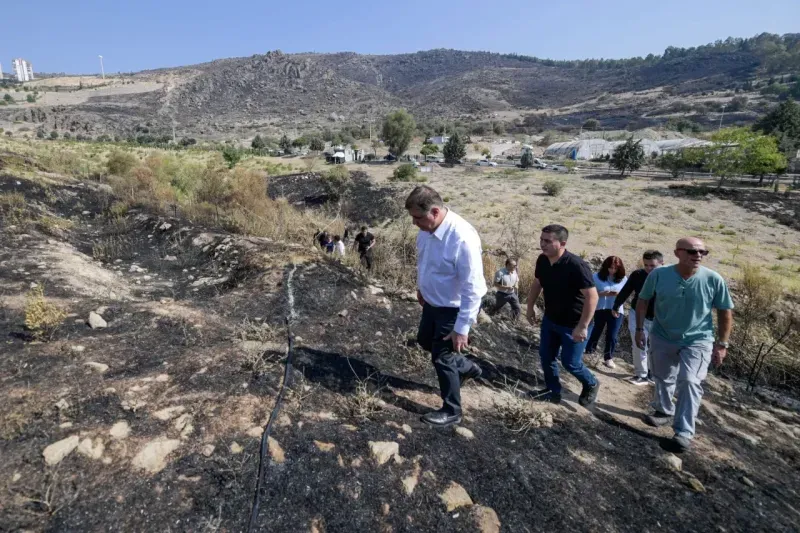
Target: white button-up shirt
(450, 270)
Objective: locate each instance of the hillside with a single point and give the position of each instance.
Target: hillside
(302, 91)
(140, 405)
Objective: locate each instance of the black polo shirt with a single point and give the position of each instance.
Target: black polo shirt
(562, 283)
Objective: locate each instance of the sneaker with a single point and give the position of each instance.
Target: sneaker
(636, 380)
(589, 394)
(473, 373)
(609, 363)
(677, 444)
(657, 419)
(545, 395)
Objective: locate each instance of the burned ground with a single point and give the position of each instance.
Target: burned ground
(195, 347)
(365, 202)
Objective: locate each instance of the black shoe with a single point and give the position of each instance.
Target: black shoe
(441, 418)
(657, 419)
(545, 395)
(677, 444)
(589, 394)
(638, 381)
(473, 373)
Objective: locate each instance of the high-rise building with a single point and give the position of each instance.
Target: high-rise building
(22, 69)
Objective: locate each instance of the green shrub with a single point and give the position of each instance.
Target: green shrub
(118, 164)
(406, 172)
(553, 187)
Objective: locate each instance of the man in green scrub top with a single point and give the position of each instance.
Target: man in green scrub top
(682, 339)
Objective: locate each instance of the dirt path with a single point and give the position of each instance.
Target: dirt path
(155, 419)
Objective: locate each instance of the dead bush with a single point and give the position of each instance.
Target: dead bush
(765, 337)
(366, 401)
(518, 415)
(412, 354)
(53, 226)
(111, 248)
(250, 330)
(13, 210)
(42, 318)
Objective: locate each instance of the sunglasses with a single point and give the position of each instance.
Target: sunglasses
(692, 251)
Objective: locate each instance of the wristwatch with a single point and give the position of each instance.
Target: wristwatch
(722, 344)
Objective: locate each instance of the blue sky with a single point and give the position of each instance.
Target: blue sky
(64, 36)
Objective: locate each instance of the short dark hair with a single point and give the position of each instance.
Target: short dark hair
(424, 198)
(561, 233)
(510, 260)
(363, 228)
(651, 255)
(337, 238)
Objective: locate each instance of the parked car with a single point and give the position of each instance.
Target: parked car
(558, 168)
(538, 163)
(485, 163)
(390, 157)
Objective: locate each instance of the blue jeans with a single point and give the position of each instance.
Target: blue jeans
(557, 338)
(603, 319)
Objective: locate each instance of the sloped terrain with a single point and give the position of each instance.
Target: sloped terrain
(153, 422)
(308, 91)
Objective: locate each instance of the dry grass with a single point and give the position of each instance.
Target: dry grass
(517, 414)
(42, 318)
(366, 401)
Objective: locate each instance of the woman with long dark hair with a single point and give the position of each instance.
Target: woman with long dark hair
(609, 281)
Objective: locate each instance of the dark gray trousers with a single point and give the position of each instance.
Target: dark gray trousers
(435, 325)
(503, 298)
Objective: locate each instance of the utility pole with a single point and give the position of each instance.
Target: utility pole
(102, 70)
(720, 117)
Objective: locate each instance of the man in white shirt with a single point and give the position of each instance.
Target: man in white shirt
(450, 286)
(506, 281)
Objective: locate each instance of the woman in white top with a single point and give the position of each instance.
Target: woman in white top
(338, 246)
(609, 281)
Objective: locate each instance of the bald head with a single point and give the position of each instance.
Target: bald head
(690, 252)
(689, 242)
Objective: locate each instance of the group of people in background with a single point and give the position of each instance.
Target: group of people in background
(671, 327)
(363, 242)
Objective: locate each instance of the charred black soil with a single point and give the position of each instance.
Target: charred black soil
(195, 347)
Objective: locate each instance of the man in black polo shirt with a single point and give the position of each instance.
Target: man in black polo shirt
(570, 299)
(651, 260)
(365, 241)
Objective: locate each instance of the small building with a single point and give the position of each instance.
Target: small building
(345, 154)
(440, 140)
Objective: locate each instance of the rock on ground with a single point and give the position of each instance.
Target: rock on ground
(56, 452)
(92, 450)
(485, 519)
(455, 496)
(120, 430)
(153, 457)
(208, 450)
(695, 484)
(236, 448)
(324, 446)
(383, 451)
(671, 461)
(276, 451)
(96, 321)
(464, 432)
(169, 412)
(100, 368)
